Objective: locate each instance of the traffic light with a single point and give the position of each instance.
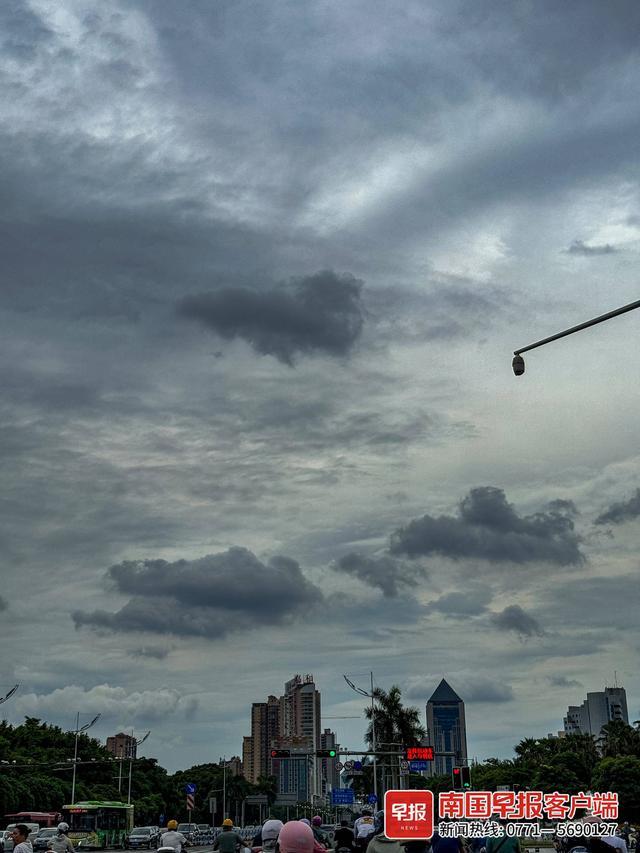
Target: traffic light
(326, 753)
(456, 778)
(280, 753)
(465, 773)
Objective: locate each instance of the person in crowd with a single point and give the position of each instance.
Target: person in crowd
(296, 836)
(20, 836)
(61, 843)
(269, 834)
(320, 836)
(344, 838)
(378, 841)
(228, 841)
(363, 829)
(173, 838)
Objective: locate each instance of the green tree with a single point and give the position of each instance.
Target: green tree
(621, 775)
(396, 726)
(619, 738)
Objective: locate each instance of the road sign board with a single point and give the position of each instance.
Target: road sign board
(419, 753)
(190, 803)
(371, 799)
(417, 766)
(190, 788)
(339, 765)
(348, 765)
(256, 800)
(404, 765)
(342, 796)
(357, 765)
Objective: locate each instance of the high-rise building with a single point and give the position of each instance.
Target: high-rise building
(265, 727)
(446, 730)
(247, 757)
(122, 745)
(301, 709)
(598, 709)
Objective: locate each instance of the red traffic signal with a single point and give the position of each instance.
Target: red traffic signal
(280, 753)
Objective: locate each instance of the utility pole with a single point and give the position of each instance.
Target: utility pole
(78, 731)
(133, 745)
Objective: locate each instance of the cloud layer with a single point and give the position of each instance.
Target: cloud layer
(488, 527)
(621, 511)
(208, 597)
(321, 313)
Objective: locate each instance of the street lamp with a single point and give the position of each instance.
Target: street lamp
(79, 730)
(373, 728)
(518, 361)
(134, 744)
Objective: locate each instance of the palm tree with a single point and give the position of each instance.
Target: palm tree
(618, 738)
(395, 725)
(267, 785)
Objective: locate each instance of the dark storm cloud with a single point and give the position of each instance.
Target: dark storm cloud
(514, 618)
(321, 313)
(563, 681)
(384, 572)
(470, 602)
(578, 247)
(207, 597)
(622, 511)
(487, 527)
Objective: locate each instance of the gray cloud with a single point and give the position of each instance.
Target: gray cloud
(153, 652)
(469, 602)
(489, 528)
(472, 689)
(321, 313)
(622, 511)
(514, 618)
(3, 604)
(384, 572)
(563, 681)
(208, 597)
(578, 247)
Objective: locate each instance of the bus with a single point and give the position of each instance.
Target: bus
(41, 818)
(97, 824)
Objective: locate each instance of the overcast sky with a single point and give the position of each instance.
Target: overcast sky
(264, 265)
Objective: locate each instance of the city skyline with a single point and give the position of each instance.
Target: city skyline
(264, 269)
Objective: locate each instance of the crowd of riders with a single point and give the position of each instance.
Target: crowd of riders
(366, 836)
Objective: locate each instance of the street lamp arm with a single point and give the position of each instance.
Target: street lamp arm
(9, 694)
(578, 328)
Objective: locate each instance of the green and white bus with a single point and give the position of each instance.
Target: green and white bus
(97, 824)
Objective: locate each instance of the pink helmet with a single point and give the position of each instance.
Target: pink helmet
(296, 837)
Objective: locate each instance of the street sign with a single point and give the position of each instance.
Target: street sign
(339, 765)
(342, 796)
(419, 753)
(213, 804)
(348, 765)
(190, 803)
(357, 765)
(404, 772)
(190, 788)
(257, 800)
(404, 765)
(371, 799)
(417, 766)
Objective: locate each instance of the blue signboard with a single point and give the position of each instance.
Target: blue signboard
(416, 766)
(190, 788)
(342, 797)
(371, 799)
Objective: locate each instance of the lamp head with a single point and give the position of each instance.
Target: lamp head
(518, 365)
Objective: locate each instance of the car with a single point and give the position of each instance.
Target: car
(142, 836)
(189, 830)
(41, 841)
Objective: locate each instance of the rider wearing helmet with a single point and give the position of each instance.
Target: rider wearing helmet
(228, 841)
(379, 842)
(172, 838)
(269, 833)
(320, 836)
(344, 837)
(61, 843)
(364, 828)
(296, 837)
